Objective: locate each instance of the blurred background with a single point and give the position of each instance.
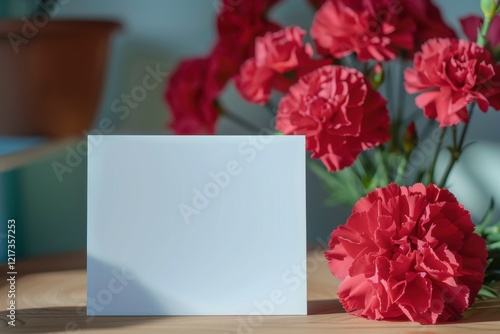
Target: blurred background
(43, 177)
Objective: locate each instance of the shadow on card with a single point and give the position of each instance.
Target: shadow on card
(328, 306)
(114, 290)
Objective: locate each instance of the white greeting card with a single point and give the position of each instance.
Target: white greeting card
(196, 225)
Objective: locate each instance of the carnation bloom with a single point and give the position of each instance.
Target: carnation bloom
(239, 23)
(316, 3)
(223, 65)
(243, 7)
(242, 21)
(408, 253)
(340, 114)
(191, 102)
(372, 29)
(194, 86)
(428, 22)
(450, 74)
(280, 57)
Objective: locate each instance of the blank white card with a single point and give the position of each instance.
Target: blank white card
(196, 225)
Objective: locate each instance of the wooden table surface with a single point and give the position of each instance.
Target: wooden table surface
(51, 298)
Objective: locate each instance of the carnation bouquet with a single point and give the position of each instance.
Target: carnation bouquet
(409, 250)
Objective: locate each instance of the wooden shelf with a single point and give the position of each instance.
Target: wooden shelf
(44, 149)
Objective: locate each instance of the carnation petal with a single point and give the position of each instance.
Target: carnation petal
(354, 292)
(416, 296)
(254, 83)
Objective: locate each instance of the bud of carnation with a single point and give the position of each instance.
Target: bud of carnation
(410, 138)
(376, 76)
(490, 8)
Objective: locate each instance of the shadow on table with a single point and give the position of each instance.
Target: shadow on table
(73, 319)
(483, 311)
(48, 263)
(113, 291)
(63, 319)
(329, 306)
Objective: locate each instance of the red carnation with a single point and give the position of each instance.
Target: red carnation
(408, 253)
(316, 4)
(428, 22)
(196, 83)
(191, 101)
(452, 73)
(247, 7)
(372, 29)
(340, 114)
(239, 23)
(280, 58)
(223, 65)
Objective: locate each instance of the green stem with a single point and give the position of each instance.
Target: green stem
(454, 136)
(428, 127)
(481, 37)
(381, 155)
(395, 143)
(241, 121)
(401, 169)
(399, 105)
(447, 173)
(458, 147)
(401, 96)
(388, 84)
(436, 155)
(466, 128)
(455, 154)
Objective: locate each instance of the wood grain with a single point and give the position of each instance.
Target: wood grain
(54, 302)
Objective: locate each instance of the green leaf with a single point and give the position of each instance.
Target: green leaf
(422, 176)
(344, 186)
(492, 233)
(496, 53)
(485, 221)
(494, 245)
(466, 146)
(487, 292)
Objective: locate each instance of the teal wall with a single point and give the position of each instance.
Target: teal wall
(16, 8)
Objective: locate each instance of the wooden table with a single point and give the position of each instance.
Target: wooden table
(51, 297)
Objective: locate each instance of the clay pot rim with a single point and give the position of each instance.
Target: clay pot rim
(61, 26)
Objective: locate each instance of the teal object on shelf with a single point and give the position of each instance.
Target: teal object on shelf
(8, 208)
(17, 8)
(9, 145)
(3, 224)
(9, 189)
(50, 214)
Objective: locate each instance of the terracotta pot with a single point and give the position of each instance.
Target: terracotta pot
(52, 85)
